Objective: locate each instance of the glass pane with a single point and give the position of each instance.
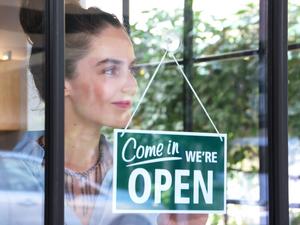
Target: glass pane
(230, 90)
(293, 111)
(294, 135)
(100, 92)
(100, 89)
(21, 112)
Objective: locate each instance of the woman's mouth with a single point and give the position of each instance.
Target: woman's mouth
(123, 104)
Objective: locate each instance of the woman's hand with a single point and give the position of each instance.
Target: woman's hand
(182, 219)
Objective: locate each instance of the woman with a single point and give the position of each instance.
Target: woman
(99, 88)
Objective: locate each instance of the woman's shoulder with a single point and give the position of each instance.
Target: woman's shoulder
(28, 144)
(31, 155)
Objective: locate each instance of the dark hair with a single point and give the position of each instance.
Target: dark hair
(80, 25)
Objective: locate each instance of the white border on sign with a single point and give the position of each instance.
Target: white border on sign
(136, 210)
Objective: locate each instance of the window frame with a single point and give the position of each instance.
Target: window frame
(54, 112)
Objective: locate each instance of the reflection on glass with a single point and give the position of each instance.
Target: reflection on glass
(230, 90)
(99, 91)
(21, 115)
(293, 21)
(162, 108)
(151, 23)
(20, 193)
(294, 135)
(251, 214)
(232, 26)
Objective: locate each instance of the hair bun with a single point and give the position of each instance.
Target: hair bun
(32, 20)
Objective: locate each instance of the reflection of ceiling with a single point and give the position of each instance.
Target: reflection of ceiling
(12, 37)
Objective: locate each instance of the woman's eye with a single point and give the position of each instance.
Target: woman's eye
(110, 71)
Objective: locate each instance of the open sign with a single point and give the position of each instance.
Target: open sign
(158, 171)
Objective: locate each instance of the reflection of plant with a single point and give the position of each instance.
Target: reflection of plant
(214, 219)
(244, 158)
(166, 197)
(216, 35)
(293, 93)
(293, 22)
(228, 89)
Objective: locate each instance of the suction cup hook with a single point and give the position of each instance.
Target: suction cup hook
(171, 42)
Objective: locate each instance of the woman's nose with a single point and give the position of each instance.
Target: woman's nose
(130, 86)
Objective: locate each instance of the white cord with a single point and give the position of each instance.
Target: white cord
(143, 95)
(194, 92)
(186, 79)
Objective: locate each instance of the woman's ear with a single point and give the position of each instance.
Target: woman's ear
(67, 88)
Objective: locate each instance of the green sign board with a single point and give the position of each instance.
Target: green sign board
(159, 171)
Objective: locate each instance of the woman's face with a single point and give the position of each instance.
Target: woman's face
(103, 87)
